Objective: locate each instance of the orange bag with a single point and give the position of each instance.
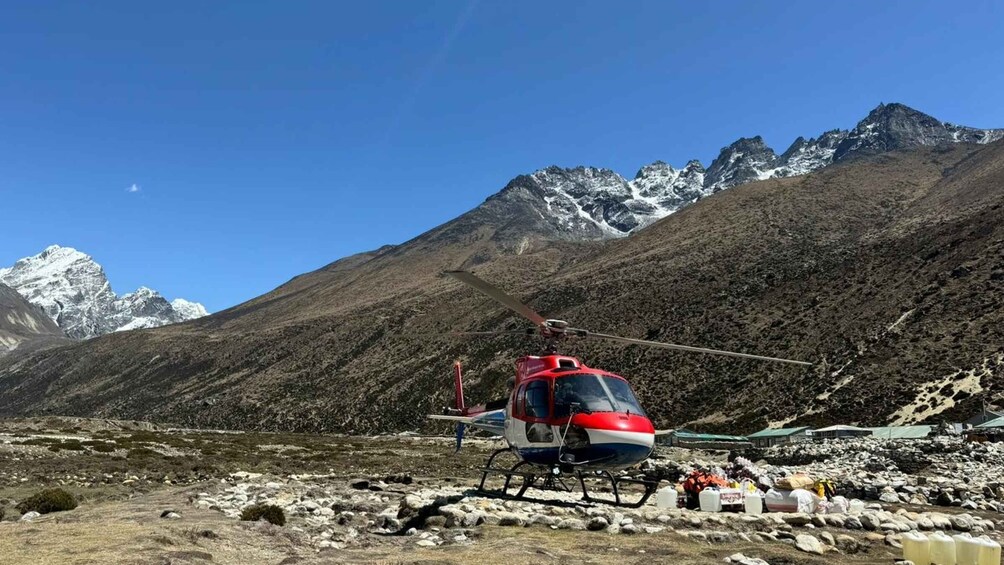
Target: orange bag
(699, 480)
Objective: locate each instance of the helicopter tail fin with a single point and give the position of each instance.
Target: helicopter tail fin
(490, 417)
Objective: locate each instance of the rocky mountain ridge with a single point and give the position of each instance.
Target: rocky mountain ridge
(597, 203)
(23, 323)
(73, 290)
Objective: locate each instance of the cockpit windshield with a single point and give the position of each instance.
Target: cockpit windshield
(593, 393)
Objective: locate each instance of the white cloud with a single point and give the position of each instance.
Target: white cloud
(133, 188)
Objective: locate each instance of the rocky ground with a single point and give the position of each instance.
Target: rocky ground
(944, 471)
(150, 495)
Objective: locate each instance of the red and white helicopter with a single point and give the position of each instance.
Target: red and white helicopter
(563, 418)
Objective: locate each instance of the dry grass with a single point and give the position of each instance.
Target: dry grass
(130, 532)
(118, 520)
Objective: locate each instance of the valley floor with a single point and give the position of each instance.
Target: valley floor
(351, 500)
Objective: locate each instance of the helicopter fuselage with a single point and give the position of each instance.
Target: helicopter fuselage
(563, 414)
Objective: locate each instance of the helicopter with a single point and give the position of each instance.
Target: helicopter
(563, 418)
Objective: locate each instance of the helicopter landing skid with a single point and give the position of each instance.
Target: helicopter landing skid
(547, 481)
(615, 482)
(552, 481)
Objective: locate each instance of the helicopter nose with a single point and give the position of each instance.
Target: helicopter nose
(619, 425)
(628, 438)
(625, 439)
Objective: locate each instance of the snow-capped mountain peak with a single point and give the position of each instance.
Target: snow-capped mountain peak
(668, 189)
(594, 203)
(189, 310)
(896, 126)
(74, 291)
(804, 156)
(745, 160)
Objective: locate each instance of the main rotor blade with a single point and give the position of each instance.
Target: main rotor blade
(497, 295)
(526, 332)
(659, 344)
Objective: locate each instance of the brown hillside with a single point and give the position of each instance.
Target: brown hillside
(886, 271)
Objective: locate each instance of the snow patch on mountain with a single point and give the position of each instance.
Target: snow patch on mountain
(896, 126)
(594, 203)
(668, 189)
(745, 160)
(803, 157)
(189, 310)
(73, 290)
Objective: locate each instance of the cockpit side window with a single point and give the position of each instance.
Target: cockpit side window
(537, 400)
(517, 401)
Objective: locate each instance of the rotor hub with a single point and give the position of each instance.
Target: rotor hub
(553, 328)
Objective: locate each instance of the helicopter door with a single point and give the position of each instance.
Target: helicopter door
(513, 427)
(536, 405)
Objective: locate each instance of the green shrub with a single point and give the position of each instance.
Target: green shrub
(41, 441)
(141, 453)
(55, 444)
(270, 512)
(48, 500)
(69, 445)
(73, 445)
(100, 446)
(144, 436)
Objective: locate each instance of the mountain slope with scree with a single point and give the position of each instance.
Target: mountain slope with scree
(885, 271)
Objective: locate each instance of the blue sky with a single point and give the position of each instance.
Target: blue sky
(269, 139)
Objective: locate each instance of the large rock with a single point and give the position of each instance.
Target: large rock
(597, 523)
(796, 519)
(571, 524)
(510, 519)
(889, 497)
(848, 544)
(828, 538)
(740, 559)
(961, 522)
(809, 544)
(454, 515)
(835, 520)
(870, 522)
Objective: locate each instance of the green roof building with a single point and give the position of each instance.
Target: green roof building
(693, 440)
(768, 437)
(902, 432)
(995, 423)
